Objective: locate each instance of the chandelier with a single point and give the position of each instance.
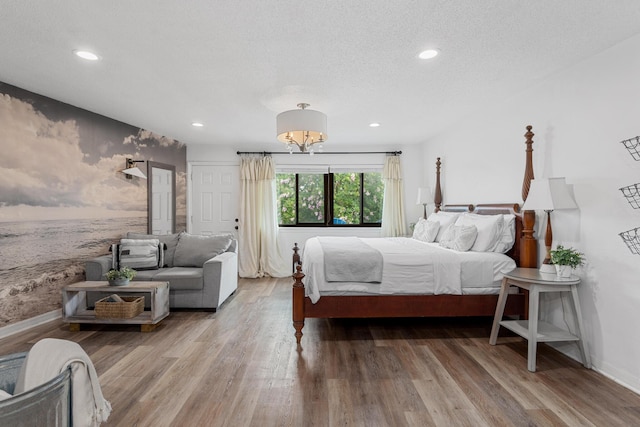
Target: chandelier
(302, 127)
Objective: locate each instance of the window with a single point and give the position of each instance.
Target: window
(330, 199)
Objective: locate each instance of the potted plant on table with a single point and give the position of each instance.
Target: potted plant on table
(565, 260)
(120, 277)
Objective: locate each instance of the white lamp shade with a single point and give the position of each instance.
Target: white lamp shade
(134, 171)
(424, 196)
(297, 123)
(549, 194)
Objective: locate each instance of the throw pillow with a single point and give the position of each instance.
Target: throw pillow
(426, 231)
(194, 250)
(143, 254)
(170, 241)
(459, 237)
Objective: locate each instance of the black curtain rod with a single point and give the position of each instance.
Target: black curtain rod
(268, 153)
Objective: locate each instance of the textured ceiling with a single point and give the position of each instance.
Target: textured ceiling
(234, 65)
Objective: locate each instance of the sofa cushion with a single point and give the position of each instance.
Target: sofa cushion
(170, 240)
(146, 275)
(194, 250)
(181, 278)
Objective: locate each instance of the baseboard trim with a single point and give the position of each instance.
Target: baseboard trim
(32, 322)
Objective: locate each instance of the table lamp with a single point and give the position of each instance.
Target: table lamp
(548, 194)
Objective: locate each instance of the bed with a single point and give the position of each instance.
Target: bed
(400, 288)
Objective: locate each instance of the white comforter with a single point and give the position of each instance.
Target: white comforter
(410, 267)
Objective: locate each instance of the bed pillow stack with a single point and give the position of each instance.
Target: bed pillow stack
(496, 233)
(444, 220)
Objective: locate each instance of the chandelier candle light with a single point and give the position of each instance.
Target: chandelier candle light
(302, 127)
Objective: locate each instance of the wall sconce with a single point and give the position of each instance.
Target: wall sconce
(132, 170)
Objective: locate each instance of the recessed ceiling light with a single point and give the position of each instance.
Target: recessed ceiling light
(374, 125)
(85, 54)
(428, 54)
(197, 124)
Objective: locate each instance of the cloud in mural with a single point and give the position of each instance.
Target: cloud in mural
(143, 136)
(42, 165)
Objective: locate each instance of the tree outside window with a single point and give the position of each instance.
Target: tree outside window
(335, 199)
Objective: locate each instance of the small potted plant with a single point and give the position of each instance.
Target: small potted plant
(120, 277)
(566, 259)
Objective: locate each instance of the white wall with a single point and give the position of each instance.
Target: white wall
(579, 117)
(412, 168)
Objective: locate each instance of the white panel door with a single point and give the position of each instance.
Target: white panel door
(215, 199)
(161, 201)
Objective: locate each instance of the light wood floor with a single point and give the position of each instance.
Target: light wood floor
(240, 367)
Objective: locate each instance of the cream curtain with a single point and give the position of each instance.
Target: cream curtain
(393, 224)
(258, 229)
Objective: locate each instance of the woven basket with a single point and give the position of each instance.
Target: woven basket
(131, 307)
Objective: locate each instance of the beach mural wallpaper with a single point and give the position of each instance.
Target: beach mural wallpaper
(63, 197)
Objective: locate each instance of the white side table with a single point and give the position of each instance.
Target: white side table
(534, 331)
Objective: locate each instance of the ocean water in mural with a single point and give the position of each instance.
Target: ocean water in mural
(37, 258)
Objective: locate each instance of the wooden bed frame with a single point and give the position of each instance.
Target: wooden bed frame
(524, 252)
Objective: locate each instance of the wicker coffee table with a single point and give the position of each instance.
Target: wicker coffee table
(76, 310)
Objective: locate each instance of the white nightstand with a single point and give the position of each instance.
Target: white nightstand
(536, 283)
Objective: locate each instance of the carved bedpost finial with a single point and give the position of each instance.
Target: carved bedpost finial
(437, 198)
(528, 168)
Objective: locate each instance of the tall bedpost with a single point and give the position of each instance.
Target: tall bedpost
(528, 244)
(298, 302)
(437, 198)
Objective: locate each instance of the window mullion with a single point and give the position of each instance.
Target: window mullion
(328, 198)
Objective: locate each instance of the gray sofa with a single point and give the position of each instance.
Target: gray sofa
(199, 275)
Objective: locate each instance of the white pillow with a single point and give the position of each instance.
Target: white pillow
(489, 230)
(4, 395)
(507, 236)
(426, 231)
(445, 219)
(459, 237)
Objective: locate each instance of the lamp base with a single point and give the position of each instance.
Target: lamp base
(547, 268)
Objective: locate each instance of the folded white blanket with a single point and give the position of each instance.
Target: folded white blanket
(48, 358)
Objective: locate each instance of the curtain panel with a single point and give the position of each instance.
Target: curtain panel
(393, 223)
(259, 252)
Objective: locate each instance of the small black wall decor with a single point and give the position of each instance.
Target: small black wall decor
(632, 193)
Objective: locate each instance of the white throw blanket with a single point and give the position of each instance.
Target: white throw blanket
(48, 358)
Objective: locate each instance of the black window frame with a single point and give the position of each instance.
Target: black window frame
(328, 205)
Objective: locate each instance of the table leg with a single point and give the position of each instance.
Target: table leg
(582, 344)
(502, 300)
(148, 327)
(534, 298)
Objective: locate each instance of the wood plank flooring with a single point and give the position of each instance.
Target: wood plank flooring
(240, 367)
